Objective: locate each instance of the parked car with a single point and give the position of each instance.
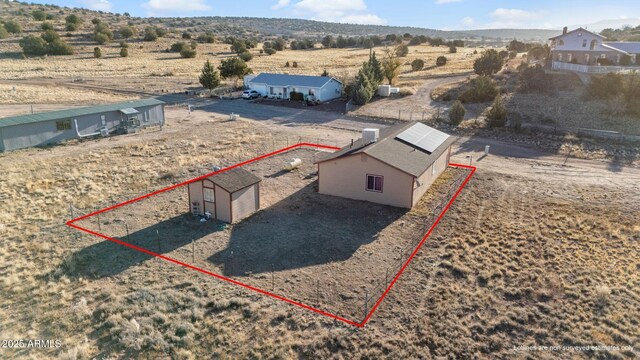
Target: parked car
(250, 94)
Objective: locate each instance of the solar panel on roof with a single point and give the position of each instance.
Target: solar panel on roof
(423, 137)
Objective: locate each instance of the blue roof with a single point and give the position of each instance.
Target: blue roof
(629, 47)
(292, 80)
(69, 113)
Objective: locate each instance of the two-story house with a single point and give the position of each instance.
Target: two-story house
(581, 46)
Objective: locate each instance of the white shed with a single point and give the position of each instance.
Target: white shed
(280, 86)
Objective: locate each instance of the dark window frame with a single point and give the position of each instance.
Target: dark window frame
(374, 187)
(62, 125)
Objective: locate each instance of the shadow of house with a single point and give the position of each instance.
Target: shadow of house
(107, 258)
(303, 230)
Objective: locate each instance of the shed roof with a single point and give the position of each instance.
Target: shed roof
(626, 46)
(234, 179)
(292, 80)
(395, 152)
(70, 113)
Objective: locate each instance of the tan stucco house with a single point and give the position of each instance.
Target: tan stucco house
(228, 196)
(393, 166)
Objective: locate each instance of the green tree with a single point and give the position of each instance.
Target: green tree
(279, 44)
(13, 27)
(59, 47)
(49, 36)
(497, 115)
(534, 79)
(391, 66)
(209, 77)
(376, 73)
(269, 51)
(517, 46)
(235, 68)
(127, 31)
(97, 53)
(363, 89)
(480, 89)
(328, 42)
(488, 63)
(441, 61)
(238, 46)
(417, 64)
(246, 56)
(457, 112)
(39, 15)
(33, 45)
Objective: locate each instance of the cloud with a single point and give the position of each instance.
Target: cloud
(468, 21)
(440, 2)
(281, 4)
(354, 11)
(98, 5)
(515, 18)
(174, 6)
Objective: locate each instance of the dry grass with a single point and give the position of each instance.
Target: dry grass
(30, 94)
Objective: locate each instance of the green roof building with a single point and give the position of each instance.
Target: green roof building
(52, 127)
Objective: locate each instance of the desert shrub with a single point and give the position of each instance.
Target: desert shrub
(50, 17)
(150, 34)
(480, 89)
(39, 15)
(73, 19)
(497, 115)
(287, 64)
(49, 36)
(512, 54)
(46, 26)
(71, 27)
(269, 51)
(96, 21)
(534, 79)
(13, 27)
(453, 49)
(294, 64)
(208, 38)
(186, 35)
(417, 64)
(102, 28)
(632, 94)
(405, 91)
(97, 53)
(402, 50)
(246, 56)
(177, 47)
(488, 63)
(605, 86)
(33, 45)
(188, 52)
(59, 47)
(124, 52)
(101, 38)
(3, 32)
(161, 31)
(238, 46)
(441, 61)
(278, 44)
(625, 60)
(456, 114)
(127, 31)
(296, 96)
(124, 44)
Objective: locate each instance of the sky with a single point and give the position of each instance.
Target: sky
(434, 14)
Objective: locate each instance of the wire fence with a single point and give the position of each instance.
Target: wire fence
(326, 294)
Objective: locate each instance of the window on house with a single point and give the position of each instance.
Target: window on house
(374, 183)
(209, 195)
(62, 125)
(593, 45)
(103, 120)
(584, 42)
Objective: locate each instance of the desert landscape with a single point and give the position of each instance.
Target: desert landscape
(540, 248)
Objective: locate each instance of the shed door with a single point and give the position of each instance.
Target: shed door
(209, 196)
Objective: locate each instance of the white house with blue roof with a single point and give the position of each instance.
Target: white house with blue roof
(280, 86)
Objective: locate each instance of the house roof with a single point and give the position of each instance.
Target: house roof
(395, 152)
(70, 113)
(576, 30)
(285, 80)
(628, 47)
(234, 179)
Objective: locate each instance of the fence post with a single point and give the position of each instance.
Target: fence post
(99, 223)
(159, 244)
(399, 116)
(366, 303)
(127, 228)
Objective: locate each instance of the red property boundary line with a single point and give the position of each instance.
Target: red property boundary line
(72, 224)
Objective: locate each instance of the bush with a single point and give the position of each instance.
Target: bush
(39, 15)
(625, 60)
(287, 64)
(456, 114)
(294, 64)
(97, 53)
(73, 19)
(33, 46)
(417, 64)
(102, 28)
(441, 61)
(269, 51)
(161, 31)
(127, 31)
(96, 21)
(150, 34)
(604, 62)
(123, 44)
(497, 115)
(296, 96)
(13, 27)
(101, 38)
(46, 26)
(246, 56)
(488, 63)
(71, 27)
(605, 86)
(124, 52)
(402, 50)
(59, 47)
(186, 35)
(208, 38)
(3, 32)
(512, 54)
(50, 17)
(49, 36)
(177, 47)
(188, 52)
(480, 89)
(534, 79)
(453, 49)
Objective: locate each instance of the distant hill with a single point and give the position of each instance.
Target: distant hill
(608, 24)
